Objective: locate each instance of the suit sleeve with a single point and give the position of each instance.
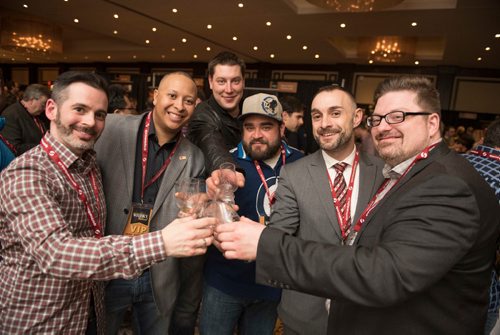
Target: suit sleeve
(285, 215)
(419, 239)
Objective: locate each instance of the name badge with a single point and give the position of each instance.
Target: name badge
(138, 219)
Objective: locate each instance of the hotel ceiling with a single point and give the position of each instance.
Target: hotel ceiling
(414, 32)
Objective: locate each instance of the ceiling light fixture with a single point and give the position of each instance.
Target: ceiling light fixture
(147, 41)
(417, 62)
(25, 6)
(195, 56)
(235, 38)
(208, 48)
(256, 48)
(487, 48)
(115, 32)
(370, 61)
(241, 5)
(387, 50)
(343, 25)
(414, 24)
(479, 59)
(288, 37)
(174, 10)
(304, 47)
(184, 40)
(355, 5)
(115, 16)
(316, 56)
(268, 23)
(153, 29)
(497, 35)
(209, 26)
(76, 20)
(271, 55)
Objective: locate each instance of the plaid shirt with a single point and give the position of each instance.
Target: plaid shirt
(489, 168)
(50, 255)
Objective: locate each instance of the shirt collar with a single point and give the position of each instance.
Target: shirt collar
(330, 161)
(83, 163)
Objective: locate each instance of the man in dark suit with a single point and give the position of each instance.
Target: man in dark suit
(419, 259)
(305, 204)
(26, 122)
(131, 187)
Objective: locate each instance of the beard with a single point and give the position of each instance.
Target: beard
(343, 137)
(261, 155)
(71, 141)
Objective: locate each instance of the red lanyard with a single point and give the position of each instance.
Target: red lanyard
(344, 222)
(144, 162)
(39, 124)
(7, 143)
(375, 200)
(485, 154)
(93, 220)
(270, 196)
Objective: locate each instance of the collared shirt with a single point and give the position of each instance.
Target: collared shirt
(50, 255)
(330, 162)
(156, 157)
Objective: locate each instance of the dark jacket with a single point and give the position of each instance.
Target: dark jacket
(20, 129)
(215, 132)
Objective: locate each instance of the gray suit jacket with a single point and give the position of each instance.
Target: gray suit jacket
(421, 264)
(304, 208)
(116, 156)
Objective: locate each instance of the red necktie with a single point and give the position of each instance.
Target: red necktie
(340, 187)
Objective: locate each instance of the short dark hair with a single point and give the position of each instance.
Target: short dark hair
(226, 58)
(427, 94)
(335, 87)
(291, 104)
(116, 96)
(70, 77)
(492, 137)
(35, 91)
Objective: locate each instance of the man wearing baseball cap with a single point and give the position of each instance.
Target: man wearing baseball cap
(231, 297)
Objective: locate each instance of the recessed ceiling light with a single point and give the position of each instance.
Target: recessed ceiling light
(173, 49)
(174, 10)
(86, 57)
(487, 48)
(288, 37)
(316, 56)
(208, 48)
(479, 59)
(184, 40)
(370, 61)
(147, 41)
(153, 29)
(497, 35)
(27, 58)
(115, 16)
(209, 26)
(25, 5)
(134, 56)
(343, 25)
(162, 56)
(235, 38)
(304, 47)
(76, 20)
(271, 55)
(109, 57)
(240, 5)
(115, 32)
(195, 56)
(256, 48)
(268, 23)
(414, 24)
(417, 62)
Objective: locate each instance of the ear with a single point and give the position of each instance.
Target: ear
(285, 116)
(210, 81)
(155, 97)
(358, 117)
(433, 123)
(282, 129)
(51, 109)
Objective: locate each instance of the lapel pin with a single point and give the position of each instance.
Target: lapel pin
(182, 158)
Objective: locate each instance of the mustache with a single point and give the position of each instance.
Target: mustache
(329, 130)
(260, 141)
(85, 130)
(386, 134)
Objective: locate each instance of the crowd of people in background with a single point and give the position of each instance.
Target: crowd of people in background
(91, 240)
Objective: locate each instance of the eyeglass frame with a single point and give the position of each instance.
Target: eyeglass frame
(405, 114)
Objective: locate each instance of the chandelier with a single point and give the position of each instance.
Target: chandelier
(30, 36)
(355, 5)
(386, 50)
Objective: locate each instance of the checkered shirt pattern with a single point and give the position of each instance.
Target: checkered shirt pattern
(489, 168)
(51, 260)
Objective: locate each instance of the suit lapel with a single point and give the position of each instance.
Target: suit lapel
(367, 187)
(318, 173)
(171, 175)
(128, 145)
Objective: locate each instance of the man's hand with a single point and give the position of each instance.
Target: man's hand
(239, 240)
(185, 237)
(213, 182)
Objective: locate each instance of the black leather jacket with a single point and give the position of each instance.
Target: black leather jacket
(215, 132)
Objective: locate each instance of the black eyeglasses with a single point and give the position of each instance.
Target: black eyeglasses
(391, 118)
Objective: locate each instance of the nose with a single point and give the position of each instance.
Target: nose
(89, 119)
(228, 87)
(178, 103)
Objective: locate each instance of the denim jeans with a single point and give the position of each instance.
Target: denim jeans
(221, 313)
(138, 294)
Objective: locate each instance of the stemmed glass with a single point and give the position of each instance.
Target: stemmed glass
(189, 196)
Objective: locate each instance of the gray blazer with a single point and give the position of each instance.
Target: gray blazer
(304, 208)
(116, 156)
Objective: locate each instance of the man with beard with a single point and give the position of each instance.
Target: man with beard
(231, 297)
(419, 259)
(54, 258)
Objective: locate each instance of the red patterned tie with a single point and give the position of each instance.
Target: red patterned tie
(340, 187)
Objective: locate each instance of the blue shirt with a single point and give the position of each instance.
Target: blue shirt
(235, 277)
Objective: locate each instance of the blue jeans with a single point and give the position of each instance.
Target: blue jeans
(221, 313)
(122, 294)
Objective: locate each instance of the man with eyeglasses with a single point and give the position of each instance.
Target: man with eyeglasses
(419, 259)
